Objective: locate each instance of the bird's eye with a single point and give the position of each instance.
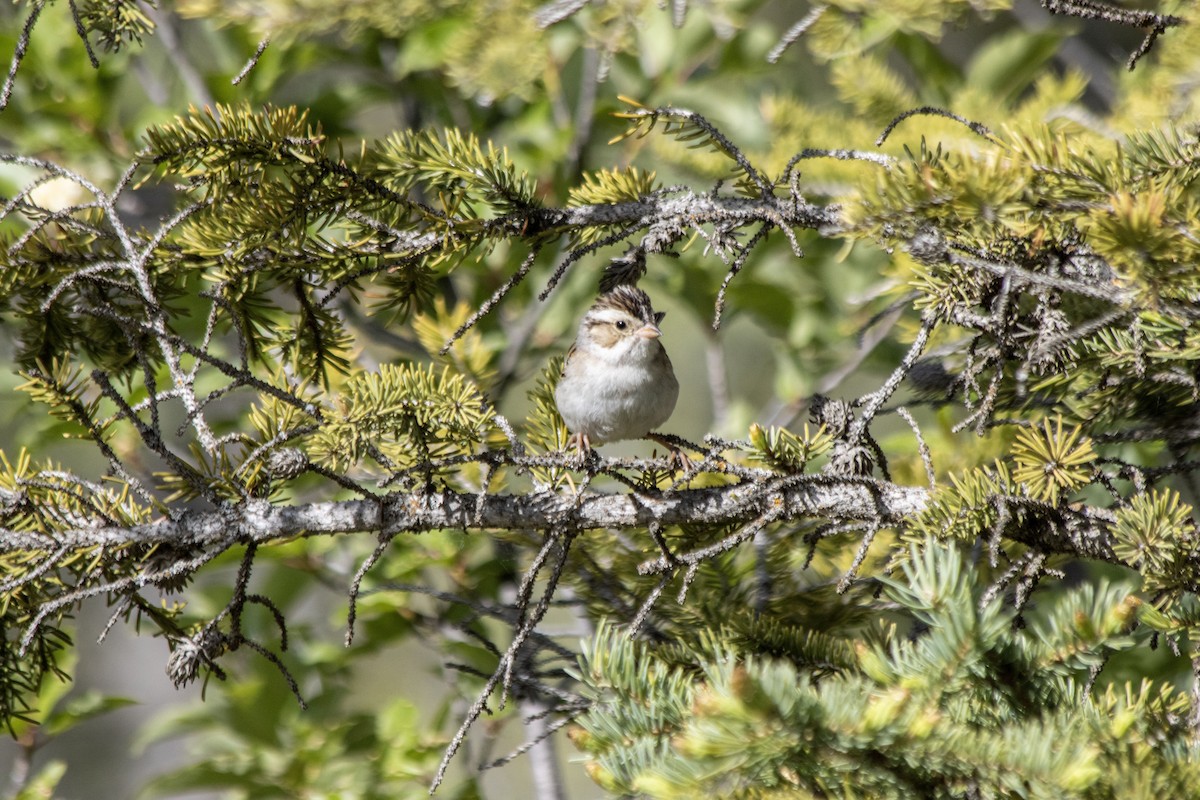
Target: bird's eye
(621, 324)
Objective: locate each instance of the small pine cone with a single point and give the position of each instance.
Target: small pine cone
(287, 462)
(835, 415)
(191, 654)
(626, 269)
(850, 459)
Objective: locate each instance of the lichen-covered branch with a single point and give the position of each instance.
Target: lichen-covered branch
(260, 521)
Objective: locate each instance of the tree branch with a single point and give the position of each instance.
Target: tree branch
(1077, 531)
(258, 521)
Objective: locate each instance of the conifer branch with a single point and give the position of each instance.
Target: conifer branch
(19, 52)
(1079, 531)
(1155, 24)
(795, 32)
(975, 127)
(253, 60)
(261, 522)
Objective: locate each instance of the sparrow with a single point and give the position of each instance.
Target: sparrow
(617, 381)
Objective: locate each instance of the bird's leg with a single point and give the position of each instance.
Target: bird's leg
(583, 445)
(679, 459)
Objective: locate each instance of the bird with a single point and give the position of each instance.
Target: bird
(617, 381)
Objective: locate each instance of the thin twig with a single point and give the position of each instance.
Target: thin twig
(795, 32)
(253, 62)
(19, 52)
(975, 127)
(922, 447)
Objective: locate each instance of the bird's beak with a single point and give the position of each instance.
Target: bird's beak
(649, 332)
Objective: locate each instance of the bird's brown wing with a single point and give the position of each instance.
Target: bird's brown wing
(566, 361)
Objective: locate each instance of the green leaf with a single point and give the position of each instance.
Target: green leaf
(1007, 64)
(43, 784)
(940, 77)
(81, 709)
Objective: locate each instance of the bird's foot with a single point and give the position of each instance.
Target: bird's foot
(583, 447)
(679, 460)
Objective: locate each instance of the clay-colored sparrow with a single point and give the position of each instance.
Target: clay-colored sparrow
(617, 382)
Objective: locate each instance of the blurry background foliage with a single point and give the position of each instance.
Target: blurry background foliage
(731, 691)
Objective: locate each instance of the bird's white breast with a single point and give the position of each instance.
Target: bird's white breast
(622, 395)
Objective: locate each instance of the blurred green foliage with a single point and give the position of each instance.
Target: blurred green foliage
(366, 125)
